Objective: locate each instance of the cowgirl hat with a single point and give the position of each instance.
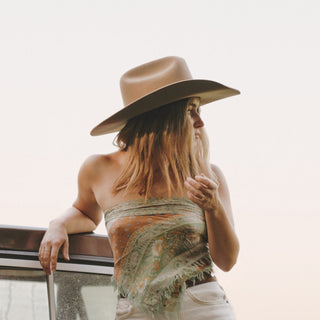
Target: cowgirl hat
(158, 83)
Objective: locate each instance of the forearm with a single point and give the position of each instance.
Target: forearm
(223, 241)
(74, 221)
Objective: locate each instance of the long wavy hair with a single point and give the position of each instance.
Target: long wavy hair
(162, 146)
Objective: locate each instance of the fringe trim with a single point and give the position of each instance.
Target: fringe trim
(166, 294)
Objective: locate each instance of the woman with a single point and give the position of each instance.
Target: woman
(167, 210)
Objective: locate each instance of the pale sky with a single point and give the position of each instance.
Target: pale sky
(60, 64)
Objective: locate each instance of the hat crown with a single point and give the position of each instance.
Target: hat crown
(152, 76)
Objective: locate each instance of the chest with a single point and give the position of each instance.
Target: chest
(107, 198)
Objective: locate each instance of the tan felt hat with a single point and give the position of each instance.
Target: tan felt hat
(158, 83)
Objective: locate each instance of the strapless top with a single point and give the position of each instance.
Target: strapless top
(157, 244)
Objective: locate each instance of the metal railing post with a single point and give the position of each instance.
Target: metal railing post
(51, 297)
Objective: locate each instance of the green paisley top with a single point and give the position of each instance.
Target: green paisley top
(157, 244)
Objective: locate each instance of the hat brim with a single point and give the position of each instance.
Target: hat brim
(208, 91)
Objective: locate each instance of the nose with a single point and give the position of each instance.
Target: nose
(197, 121)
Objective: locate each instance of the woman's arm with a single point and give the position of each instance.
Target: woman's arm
(83, 216)
(213, 197)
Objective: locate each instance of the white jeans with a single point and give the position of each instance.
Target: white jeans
(205, 301)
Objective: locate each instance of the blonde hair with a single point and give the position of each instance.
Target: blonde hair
(161, 145)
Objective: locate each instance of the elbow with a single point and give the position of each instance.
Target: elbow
(226, 262)
(226, 266)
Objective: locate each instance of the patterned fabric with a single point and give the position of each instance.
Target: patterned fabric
(157, 244)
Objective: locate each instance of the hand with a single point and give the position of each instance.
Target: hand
(203, 192)
(55, 238)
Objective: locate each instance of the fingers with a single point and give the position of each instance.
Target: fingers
(44, 258)
(201, 186)
(54, 257)
(194, 198)
(65, 251)
(202, 191)
(195, 189)
(210, 184)
(48, 255)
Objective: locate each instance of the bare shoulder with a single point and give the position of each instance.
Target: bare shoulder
(223, 190)
(96, 160)
(218, 172)
(95, 179)
(95, 164)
